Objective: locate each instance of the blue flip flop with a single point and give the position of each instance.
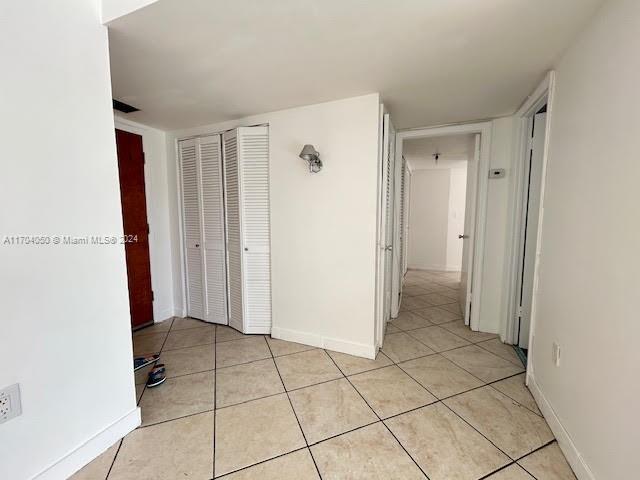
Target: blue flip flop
(140, 362)
(156, 376)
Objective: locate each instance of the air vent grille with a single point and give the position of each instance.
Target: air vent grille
(123, 107)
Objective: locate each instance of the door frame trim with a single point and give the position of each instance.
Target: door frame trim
(135, 128)
(543, 94)
(380, 323)
(484, 129)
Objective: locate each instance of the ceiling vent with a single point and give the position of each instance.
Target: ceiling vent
(123, 107)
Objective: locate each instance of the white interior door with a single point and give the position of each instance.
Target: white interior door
(191, 224)
(213, 238)
(255, 228)
(389, 176)
(379, 297)
(234, 229)
(531, 215)
(401, 233)
(396, 237)
(467, 237)
(407, 206)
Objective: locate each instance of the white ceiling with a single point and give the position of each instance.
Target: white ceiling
(454, 150)
(192, 62)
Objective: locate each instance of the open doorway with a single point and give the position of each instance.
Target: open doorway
(447, 204)
(529, 226)
(437, 201)
(136, 227)
(534, 117)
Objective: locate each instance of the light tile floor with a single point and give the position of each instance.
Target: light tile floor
(439, 402)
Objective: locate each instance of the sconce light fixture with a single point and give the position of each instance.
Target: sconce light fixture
(311, 155)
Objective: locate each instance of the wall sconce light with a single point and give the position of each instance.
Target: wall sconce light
(311, 155)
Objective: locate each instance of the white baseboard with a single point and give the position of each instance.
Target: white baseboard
(82, 455)
(437, 268)
(575, 459)
(335, 344)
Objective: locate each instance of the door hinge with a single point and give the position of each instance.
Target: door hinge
(153, 296)
(519, 312)
(148, 229)
(530, 144)
(144, 158)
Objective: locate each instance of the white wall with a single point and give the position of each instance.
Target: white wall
(589, 262)
(495, 278)
(323, 226)
(157, 193)
(66, 328)
(437, 203)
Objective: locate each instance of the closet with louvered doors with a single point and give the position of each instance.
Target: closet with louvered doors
(246, 182)
(200, 161)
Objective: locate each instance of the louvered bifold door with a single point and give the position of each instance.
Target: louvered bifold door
(254, 214)
(401, 246)
(233, 231)
(213, 239)
(191, 224)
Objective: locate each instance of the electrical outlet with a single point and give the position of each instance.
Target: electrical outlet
(555, 354)
(10, 406)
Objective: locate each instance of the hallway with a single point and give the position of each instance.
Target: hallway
(439, 402)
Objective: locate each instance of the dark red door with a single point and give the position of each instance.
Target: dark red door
(136, 228)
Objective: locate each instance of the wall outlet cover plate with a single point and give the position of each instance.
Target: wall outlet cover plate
(10, 405)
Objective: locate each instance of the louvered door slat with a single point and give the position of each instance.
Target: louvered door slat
(209, 151)
(234, 235)
(191, 215)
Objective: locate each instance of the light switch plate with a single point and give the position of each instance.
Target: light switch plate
(497, 173)
(555, 354)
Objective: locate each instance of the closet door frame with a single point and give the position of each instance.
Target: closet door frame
(186, 294)
(242, 246)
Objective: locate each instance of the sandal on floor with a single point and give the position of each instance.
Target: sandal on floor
(140, 362)
(156, 376)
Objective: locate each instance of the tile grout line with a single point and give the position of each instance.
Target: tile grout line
(459, 366)
(484, 384)
(534, 451)
(113, 462)
(261, 462)
(484, 381)
(209, 410)
(346, 377)
(474, 428)
(515, 462)
(521, 457)
(484, 348)
(379, 418)
(504, 467)
(394, 416)
(304, 437)
(351, 430)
